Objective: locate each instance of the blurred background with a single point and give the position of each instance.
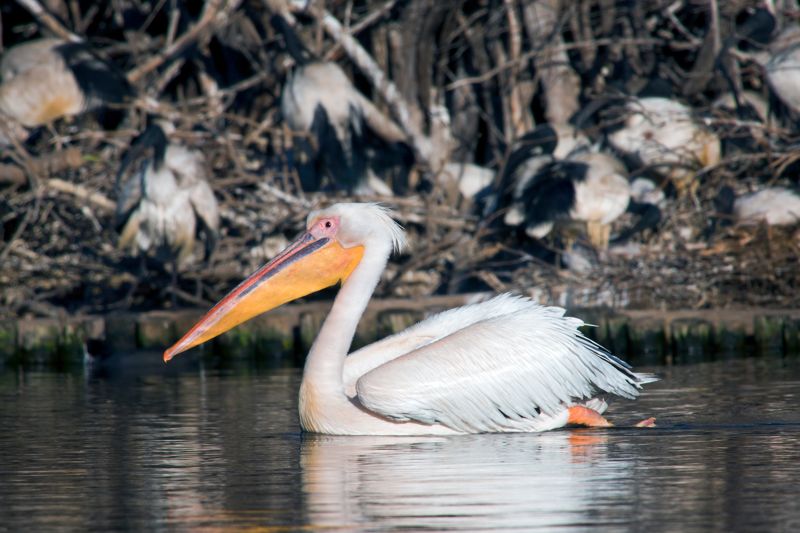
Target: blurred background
(619, 153)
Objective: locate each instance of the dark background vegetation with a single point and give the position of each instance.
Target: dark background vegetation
(473, 75)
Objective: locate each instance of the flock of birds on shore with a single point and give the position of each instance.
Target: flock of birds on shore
(555, 178)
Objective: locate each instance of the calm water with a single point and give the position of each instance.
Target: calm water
(151, 447)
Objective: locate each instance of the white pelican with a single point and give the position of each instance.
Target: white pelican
(504, 365)
(354, 142)
(46, 79)
(773, 206)
(166, 200)
(662, 133)
(552, 178)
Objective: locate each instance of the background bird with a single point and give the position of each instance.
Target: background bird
(542, 145)
(552, 178)
(783, 68)
(662, 135)
(773, 206)
(165, 201)
(46, 79)
(591, 189)
(354, 144)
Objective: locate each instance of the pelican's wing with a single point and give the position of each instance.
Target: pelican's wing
(498, 373)
(430, 330)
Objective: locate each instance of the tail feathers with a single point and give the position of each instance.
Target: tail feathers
(645, 378)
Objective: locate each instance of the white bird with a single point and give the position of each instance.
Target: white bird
(504, 365)
(166, 201)
(46, 79)
(779, 55)
(354, 143)
(774, 206)
(662, 133)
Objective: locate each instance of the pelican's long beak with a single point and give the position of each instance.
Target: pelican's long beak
(307, 265)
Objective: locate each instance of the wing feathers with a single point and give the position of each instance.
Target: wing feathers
(498, 371)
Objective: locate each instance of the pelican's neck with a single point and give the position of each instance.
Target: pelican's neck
(325, 361)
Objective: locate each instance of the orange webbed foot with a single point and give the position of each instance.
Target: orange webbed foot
(581, 415)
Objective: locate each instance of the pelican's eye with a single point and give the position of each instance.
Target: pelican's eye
(324, 227)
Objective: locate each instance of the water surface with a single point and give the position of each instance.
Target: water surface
(149, 447)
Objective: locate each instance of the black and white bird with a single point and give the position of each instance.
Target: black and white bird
(354, 144)
(544, 144)
(553, 179)
(589, 188)
(46, 79)
(165, 203)
(662, 135)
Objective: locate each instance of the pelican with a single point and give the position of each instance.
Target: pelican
(553, 177)
(354, 141)
(504, 365)
(661, 133)
(46, 79)
(773, 206)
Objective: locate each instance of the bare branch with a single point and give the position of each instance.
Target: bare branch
(48, 21)
(215, 12)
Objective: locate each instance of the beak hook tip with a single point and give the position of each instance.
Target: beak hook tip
(169, 354)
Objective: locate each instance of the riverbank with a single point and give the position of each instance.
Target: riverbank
(643, 337)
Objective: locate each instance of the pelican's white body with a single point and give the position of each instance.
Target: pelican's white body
(37, 84)
(504, 365)
(662, 133)
(776, 206)
(604, 195)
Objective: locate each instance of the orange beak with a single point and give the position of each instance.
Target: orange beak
(307, 265)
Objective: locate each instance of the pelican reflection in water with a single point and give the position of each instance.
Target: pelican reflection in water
(503, 365)
(473, 482)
